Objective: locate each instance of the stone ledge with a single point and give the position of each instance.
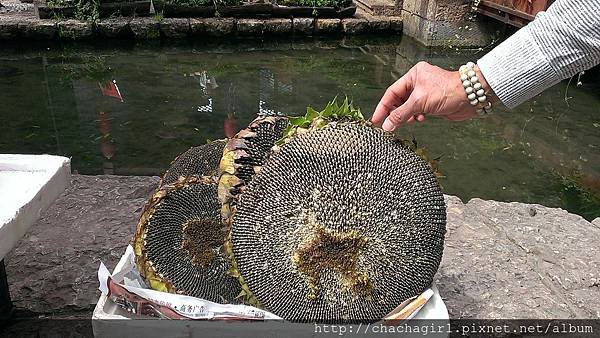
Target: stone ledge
(37, 29)
(438, 10)
(212, 27)
(303, 26)
(328, 26)
(112, 28)
(396, 24)
(75, 30)
(355, 26)
(175, 28)
(277, 26)
(144, 28)
(250, 27)
(9, 29)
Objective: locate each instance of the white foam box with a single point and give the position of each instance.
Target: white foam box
(110, 320)
(29, 184)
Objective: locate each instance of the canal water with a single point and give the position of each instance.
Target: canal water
(129, 109)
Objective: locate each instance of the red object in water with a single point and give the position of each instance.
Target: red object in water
(103, 122)
(107, 149)
(230, 125)
(110, 89)
(106, 146)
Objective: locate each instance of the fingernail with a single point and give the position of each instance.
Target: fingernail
(388, 125)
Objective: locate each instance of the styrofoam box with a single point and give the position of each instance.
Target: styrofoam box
(29, 184)
(109, 320)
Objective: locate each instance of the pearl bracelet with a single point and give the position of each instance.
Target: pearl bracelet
(474, 89)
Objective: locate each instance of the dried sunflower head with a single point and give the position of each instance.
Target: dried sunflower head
(197, 161)
(244, 153)
(342, 222)
(179, 242)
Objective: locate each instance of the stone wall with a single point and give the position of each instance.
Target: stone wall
(25, 26)
(149, 28)
(448, 23)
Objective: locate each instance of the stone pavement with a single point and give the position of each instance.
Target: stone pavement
(502, 260)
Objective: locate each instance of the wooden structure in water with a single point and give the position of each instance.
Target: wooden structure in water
(516, 13)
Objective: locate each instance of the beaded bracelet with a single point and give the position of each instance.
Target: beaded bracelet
(474, 89)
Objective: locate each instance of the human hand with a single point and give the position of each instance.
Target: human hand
(424, 90)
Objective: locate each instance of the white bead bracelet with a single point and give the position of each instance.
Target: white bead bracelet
(474, 89)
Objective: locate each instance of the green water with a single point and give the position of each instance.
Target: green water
(180, 95)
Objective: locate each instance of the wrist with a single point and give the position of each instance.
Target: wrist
(475, 88)
(485, 85)
(458, 91)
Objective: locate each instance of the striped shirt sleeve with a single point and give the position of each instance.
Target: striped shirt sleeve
(559, 43)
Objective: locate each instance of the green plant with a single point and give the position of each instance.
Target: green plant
(159, 16)
(59, 3)
(153, 34)
(86, 10)
(318, 119)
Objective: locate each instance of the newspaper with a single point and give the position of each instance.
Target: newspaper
(126, 288)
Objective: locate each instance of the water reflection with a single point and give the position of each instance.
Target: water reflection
(130, 111)
(207, 84)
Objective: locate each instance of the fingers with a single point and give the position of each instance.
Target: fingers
(394, 96)
(401, 115)
(416, 118)
(391, 100)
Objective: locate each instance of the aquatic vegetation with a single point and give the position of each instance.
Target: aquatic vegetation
(576, 198)
(91, 67)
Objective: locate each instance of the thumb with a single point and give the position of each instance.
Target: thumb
(401, 115)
